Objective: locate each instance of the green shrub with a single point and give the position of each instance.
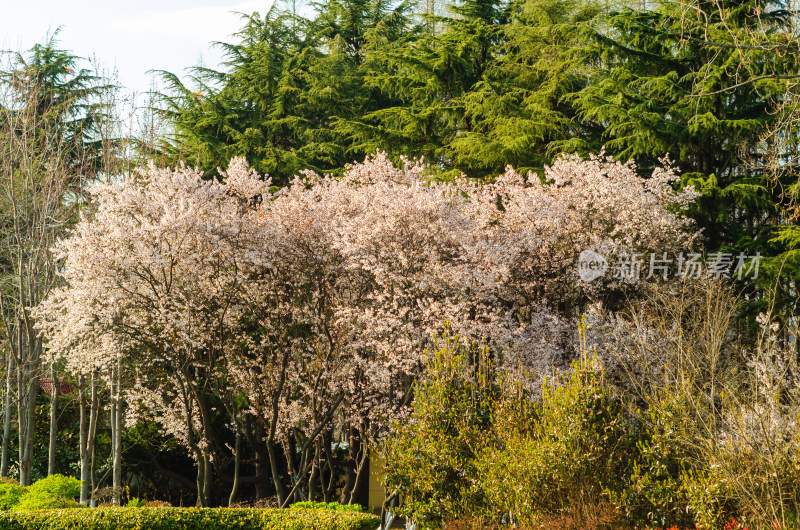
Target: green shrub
(187, 519)
(431, 456)
(53, 492)
(58, 486)
(10, 494)
(44, 501)
(333, 506)
(135, 502)
(558, 456)
(655, 494)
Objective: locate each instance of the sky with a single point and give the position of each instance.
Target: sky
(129, 37)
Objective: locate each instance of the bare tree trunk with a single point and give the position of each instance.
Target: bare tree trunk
(350, 475)
(201, 468)
(94, 411)
(27, 386)
(7, 418)
(30, 418)
(116, 433)
(207, 479)
(360, 466)
(20, 423)
(315, 471)
(51, 451)
(83, 441)
(289, 450)
(330, 487)
(236, 464)
(275, 472)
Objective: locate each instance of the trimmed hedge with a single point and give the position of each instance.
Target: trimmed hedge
(334, 506)
(186, 519)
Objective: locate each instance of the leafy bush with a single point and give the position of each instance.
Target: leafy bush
(57, 485)
(655, 493)
(689, 429)
(558, 456)
(431, 455)
(135, 502)
(10, 494)
(480, 446)
(53, 492)
(187, 519)
(721, 436)
(333, 506)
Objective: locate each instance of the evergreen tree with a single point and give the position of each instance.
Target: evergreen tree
(289, 86)
(657, 88)
(424, 78)
(517, 113)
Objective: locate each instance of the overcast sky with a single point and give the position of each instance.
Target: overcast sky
(129, 36)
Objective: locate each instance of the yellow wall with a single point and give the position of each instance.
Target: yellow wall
(377, 492)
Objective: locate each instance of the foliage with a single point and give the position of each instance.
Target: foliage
(677, 79)
(474, 446)
(312, 305)
(187, 519)
(655, 492)
(432, 454)
(720, 423)
(278, 319)
(10, 494)
(288, 84)
(697, 433)
(57, 485)
(55, 491)
(481, 85)
(135, 502)
(560, 455)
(333, 506)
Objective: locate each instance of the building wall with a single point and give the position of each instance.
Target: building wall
(377, 492)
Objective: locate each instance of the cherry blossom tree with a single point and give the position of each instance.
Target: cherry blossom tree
(152, 275)
(309, 309)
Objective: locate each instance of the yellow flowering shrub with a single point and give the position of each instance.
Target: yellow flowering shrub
(187, 519)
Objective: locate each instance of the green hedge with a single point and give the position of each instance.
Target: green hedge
(186, 519)
(333, 506)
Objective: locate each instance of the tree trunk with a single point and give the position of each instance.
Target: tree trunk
(82, 441)
(205, 419)
(207, 479)
(94, 412)
(21, 423)
(274, 465)
(116, 434)
(254, 434)
(51, 451)
(352, 459)
(236, 464)
(27, 385)
(361, 465)
(7, 418)
(316, 472)
(330, 486)
(201, 464)
(33, 391)
(289, 451)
